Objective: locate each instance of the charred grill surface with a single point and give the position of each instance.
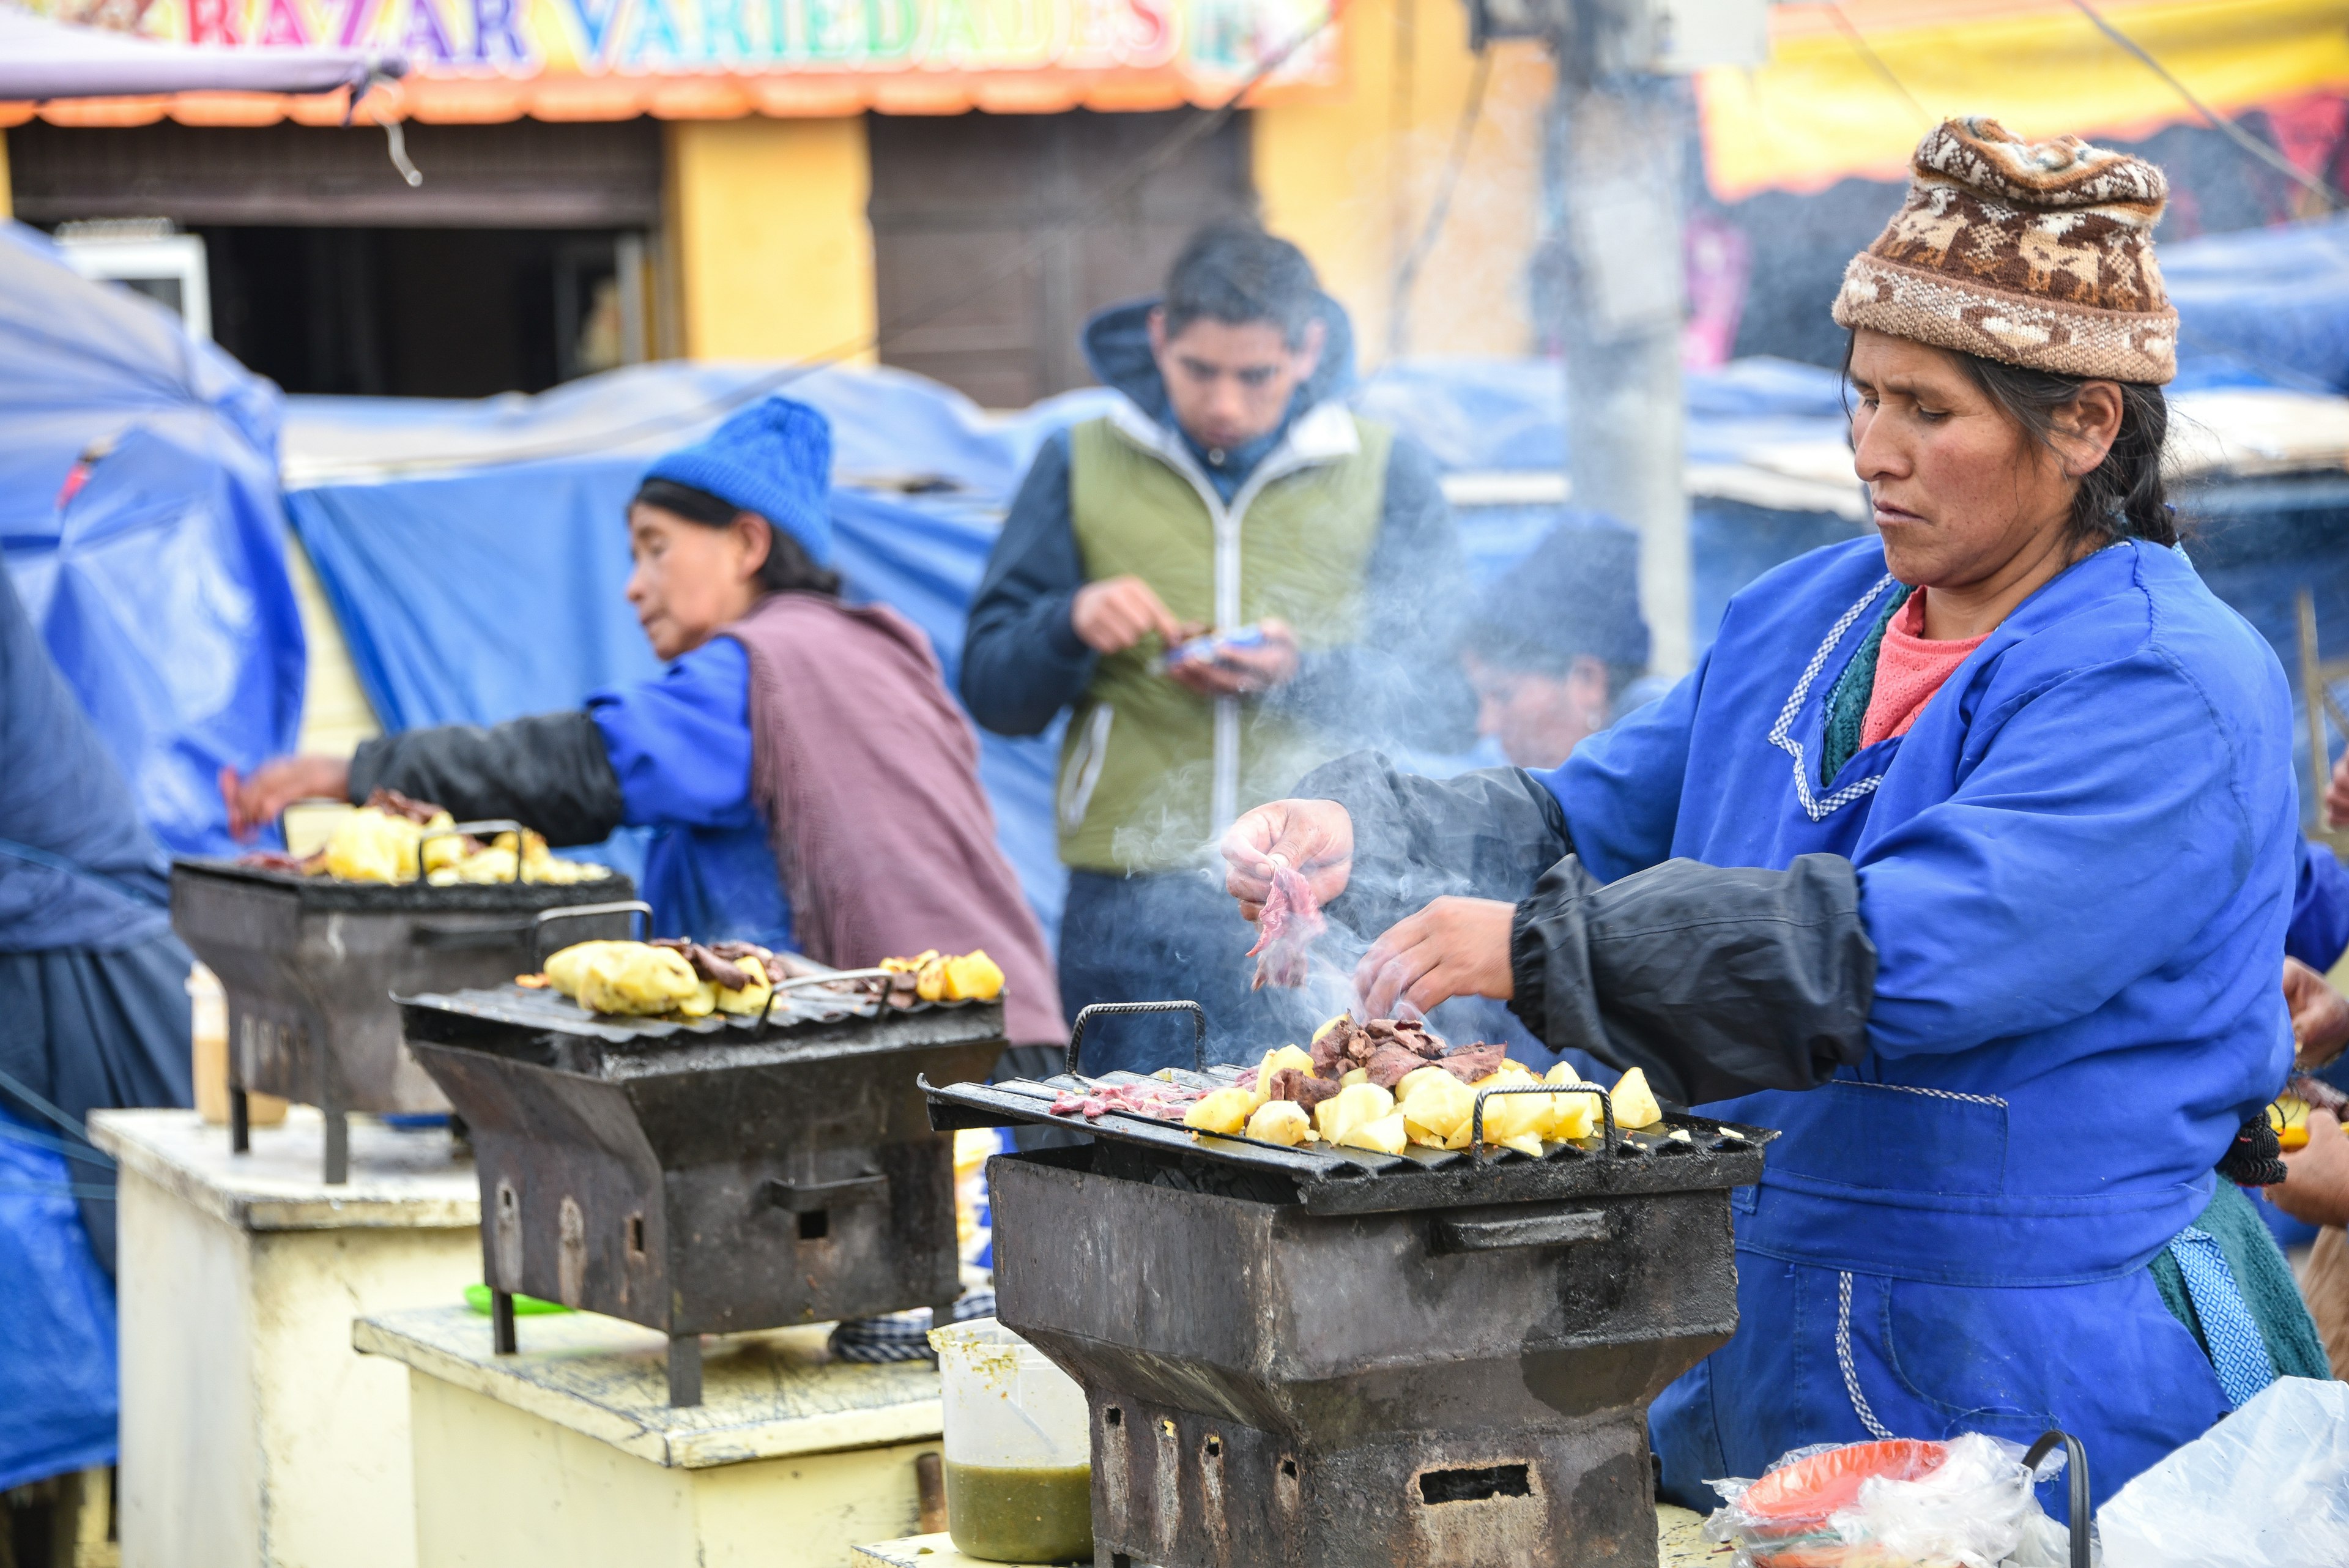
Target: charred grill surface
(310, 965)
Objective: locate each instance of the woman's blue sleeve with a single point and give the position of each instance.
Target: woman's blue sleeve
(680, 744)
(2319, 934)
(1621, 787)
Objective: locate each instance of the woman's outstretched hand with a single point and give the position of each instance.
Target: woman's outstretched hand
(255, 800)
(1313, 837)
(1455, 947)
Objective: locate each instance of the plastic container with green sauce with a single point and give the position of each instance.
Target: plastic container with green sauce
(1018, 1456)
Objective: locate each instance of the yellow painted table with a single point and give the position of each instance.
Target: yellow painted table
(568, 1454)
(251, 1435)
(1680, 1543)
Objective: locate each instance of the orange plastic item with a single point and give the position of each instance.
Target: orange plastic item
(1815, 1487)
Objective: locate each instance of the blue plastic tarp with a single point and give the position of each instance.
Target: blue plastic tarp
(160, 585)
(2263, 305)
(58, 1393)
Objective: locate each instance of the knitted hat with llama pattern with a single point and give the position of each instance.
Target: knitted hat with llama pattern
(2037, 254)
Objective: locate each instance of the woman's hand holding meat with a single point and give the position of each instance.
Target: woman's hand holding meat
(1312, 837)
(1455, 947)
(2320, 1017)
(255, 799)
(2317, 1190)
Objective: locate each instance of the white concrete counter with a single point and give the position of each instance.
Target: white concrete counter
(251, 1434)
(569, 1452)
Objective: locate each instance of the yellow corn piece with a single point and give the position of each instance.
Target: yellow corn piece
(1570, 1115)
(747, 1002)
(565, 967)
(1273, 1063)
(1383, 1135)
(636, 980)
(974, 977)
(1281, 1121)
(1635, 1103)
(1436, 1101)
(1350, 1107)
(1508, 1117)
(1222, 1111)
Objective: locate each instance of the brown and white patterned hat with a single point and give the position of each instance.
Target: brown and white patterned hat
(2037, 254)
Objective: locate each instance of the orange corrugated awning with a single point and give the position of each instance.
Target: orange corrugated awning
(717, 59)
(1849, 88)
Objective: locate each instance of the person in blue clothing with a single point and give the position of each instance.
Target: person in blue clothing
(1964, 859)
(810, 782)
(1230, 490)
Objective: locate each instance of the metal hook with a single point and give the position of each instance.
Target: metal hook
(776, 987)
(546, 917)
(1120, 1009)
(1477, 1113)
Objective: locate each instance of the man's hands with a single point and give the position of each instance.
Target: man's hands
(255, 801)
(2317, 1190)
(2320, 1017)
(1112, 615)
(1312, 837)
(2336, 795)
(1455, 947)
(1242, 671)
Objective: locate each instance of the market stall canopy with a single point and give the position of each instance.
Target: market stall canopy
(140, 519)
(475, 61)
(41, 60)
(1851, 84)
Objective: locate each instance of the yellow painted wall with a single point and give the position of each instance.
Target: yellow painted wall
(768, 236)
(1351, 177)
(7, 199)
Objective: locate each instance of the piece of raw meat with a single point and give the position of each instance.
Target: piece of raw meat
(1291, 919)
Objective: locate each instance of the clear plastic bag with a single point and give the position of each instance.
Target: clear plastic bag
(1900, 1503)
(2266, 1488)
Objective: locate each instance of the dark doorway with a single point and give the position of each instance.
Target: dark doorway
(419, 313)
(956, 199)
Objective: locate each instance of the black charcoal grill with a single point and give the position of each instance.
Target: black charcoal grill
(1333, 1358)
(310, 963)
(715, 1177)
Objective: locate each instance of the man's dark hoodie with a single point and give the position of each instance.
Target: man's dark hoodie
(1023, 663)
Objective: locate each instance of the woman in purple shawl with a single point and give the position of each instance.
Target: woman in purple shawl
(810, 779)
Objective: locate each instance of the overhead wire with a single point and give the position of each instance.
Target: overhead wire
(1875, 63)
(2216, 121)
(1439, 209)
(1159, 157)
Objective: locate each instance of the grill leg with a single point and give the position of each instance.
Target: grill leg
(338, 1148)
(685, 1369)
(240, 1122)
(501, 1324)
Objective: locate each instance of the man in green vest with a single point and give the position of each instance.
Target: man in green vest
(1230, 492)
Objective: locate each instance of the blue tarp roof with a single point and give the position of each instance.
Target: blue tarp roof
(162, 587)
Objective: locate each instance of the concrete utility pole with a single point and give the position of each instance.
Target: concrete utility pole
(1612, 188)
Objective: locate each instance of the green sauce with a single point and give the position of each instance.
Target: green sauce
(1022, 1515)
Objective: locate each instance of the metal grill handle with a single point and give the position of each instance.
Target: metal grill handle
(767, 1013)
(2080, 1496)
(1123, 1009)
(1477, 1115)
(495, 826)
(546, 917)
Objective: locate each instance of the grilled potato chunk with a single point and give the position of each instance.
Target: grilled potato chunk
(1222, 1111)
(1280, 1121)
(1383, 1135)
(1635, 1103)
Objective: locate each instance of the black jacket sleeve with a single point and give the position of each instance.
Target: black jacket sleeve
(548, 772)
(1400, 682)
(1022, 662)
(1717, 981)
(1485, 835)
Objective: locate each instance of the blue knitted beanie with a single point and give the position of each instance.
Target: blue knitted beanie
(774, 458)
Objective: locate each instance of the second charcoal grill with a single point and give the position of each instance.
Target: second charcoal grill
(715, 1177)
